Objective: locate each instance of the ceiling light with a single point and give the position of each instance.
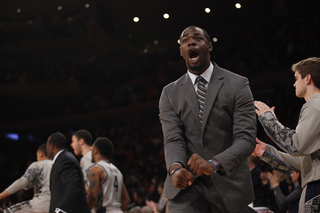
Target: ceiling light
(166, 15)
(59, 7)
(207, 10)
(136, 19)
(214, 39)
(18, 10)
(87, 5)
(238, 5)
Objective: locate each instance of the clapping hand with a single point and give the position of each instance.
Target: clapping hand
(262, 107)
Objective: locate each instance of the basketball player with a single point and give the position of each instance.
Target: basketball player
(36, 176)
(107, 193)
(82, 145)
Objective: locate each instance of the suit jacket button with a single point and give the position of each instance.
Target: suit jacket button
(205, 144)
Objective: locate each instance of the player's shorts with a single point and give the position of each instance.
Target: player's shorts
(310, 198)
(23, 207)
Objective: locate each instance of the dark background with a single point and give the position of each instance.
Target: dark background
(94, 68)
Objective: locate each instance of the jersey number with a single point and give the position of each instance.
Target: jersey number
(115, 184)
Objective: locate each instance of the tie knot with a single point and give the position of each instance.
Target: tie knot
(201, 80)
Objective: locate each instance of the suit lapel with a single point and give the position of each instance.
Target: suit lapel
(189, 93)
(214, 86)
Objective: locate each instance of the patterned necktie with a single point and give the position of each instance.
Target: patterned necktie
(201, 95)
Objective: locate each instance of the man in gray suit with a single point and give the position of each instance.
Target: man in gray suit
(209, 128)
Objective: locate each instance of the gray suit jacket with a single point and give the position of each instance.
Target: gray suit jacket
(227, 134)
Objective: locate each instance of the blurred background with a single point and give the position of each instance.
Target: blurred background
(100, 65)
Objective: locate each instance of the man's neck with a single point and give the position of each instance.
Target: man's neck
(99, 158)
(43, 158)
(310, 93)
(85, 149)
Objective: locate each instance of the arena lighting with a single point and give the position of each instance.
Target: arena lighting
(238, 5)
(59, 7)
(18, 10)
(178, 41)
(207, 10)
(13, 136)
(87, 5)
(166, 15)
(214, 39)
(30, 22)
(156, 42)
(136, 19)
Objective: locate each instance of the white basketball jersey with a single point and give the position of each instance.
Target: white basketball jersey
(85, 164)
(111, 187)
(38, 175)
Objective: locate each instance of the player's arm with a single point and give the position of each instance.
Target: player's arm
(94, 174)
(25, 181)
(125, 200)
(4, 194)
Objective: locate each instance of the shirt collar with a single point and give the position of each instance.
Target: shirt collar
(55, 157)
(206, 74)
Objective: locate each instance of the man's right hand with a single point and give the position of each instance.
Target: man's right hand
(182, 178)
(260, 148)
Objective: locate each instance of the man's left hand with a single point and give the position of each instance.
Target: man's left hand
(200, 166)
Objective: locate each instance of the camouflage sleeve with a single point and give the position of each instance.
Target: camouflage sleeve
(279, 134)
(31, 175)
(277, 162)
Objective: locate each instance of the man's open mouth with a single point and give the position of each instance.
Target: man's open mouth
(194, 56)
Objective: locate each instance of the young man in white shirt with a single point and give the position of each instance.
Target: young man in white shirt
(82, 146)
(302, 145)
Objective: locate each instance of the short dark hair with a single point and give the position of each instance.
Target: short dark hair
(104, 146)
(43, 148)
(85, 135)
(58, 140)
(206, 35)
(309, 66)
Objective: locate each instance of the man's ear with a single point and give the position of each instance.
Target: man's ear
(210, 46)
(308, 79)
(51, 146)
(41, 154)
(81, 141)
(94, 151)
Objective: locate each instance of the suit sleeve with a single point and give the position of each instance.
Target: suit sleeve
(172, 128)
(244, 129)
